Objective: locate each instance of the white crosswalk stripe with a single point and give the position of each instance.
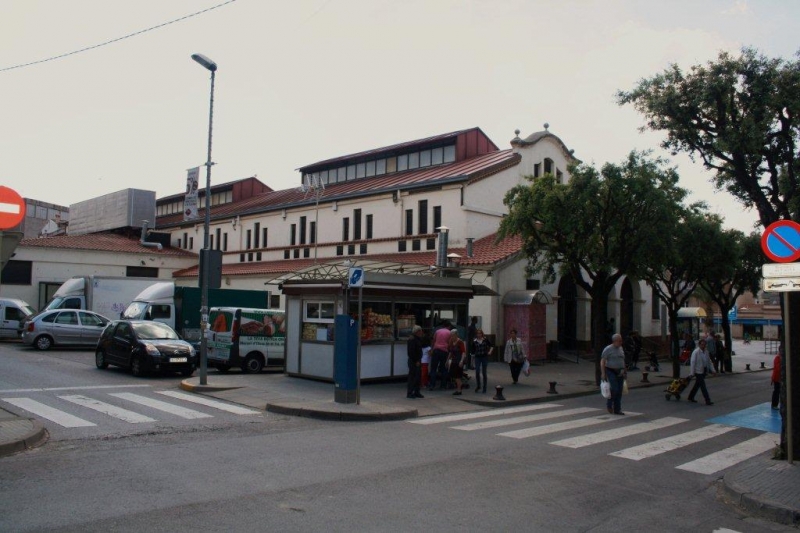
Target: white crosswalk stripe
(50, 413)
(668, 444)
(481, 414)
(525, 419)
(160, 406)
(618, 433)
(563, 426)
(108, 409)
(728, 457)
(202, 400)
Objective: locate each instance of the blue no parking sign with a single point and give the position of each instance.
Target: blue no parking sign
(781, 241)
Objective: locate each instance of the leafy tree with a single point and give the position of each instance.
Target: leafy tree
(599, 227)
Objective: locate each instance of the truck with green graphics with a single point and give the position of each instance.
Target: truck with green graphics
(247, 338)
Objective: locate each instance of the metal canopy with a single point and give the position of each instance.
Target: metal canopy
(526, 298)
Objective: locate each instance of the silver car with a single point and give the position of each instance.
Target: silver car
(64, 327)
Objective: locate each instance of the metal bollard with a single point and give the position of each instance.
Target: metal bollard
(644, 377)
(762, 365)
(499, 394)
(747, 366)
(552, 388)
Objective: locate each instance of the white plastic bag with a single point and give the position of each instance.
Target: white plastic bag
(526, 368)
(625, 387)
(605, 389)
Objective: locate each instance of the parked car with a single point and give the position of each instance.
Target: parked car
(143, 346)
(13, 314)
(64, 327)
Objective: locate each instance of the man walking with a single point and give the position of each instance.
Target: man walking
(700, 365)
(414, 363)
(472, 331)
(441, 339)
(612, 369)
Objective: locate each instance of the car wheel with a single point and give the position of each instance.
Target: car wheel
(186, 372)
(43, 342)
(222, 369)
(253, 363)
(137, 367)
(100, 360)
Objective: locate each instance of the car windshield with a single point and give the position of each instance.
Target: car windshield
(27, 310)
(154, 331)
(134, 310)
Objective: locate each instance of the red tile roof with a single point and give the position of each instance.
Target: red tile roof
(484, 252)
(467, 170)
(102, 242)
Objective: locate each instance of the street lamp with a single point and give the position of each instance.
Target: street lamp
(209, 65)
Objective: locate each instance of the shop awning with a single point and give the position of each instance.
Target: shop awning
(691, 312)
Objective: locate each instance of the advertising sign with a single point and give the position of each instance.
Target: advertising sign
(190, 201)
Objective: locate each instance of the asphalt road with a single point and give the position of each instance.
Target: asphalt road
(267, 472)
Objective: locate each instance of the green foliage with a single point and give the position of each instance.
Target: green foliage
(739, 115)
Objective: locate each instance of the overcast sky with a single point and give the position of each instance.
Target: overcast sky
(307, 80)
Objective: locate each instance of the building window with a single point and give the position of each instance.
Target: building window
(250, 256)
(286, 254)
(559, 176)
(296, 253)
(413, 160)
(258, 256)
(306, 252)
(264, 234)
(361, 170)
(20, 272)
(131, 272)
(312, 232)
(241, 258)
(402, 163)
(409, 222)
(423, 217)
(191, 243)
(437, 156)
(293, 234)
(179, 243)
(248, 240)
(340, 250)
(185, 240)
(302, 230)
(370, 168)
(431, 244)
(369, 226)
(357, 224)
(401, 246)
(380, 167)
(425, 158)
(345, 229)
(391, 165)
(274, 301)
(655, 304)
(437, 217)
(548, 166)
(219, 240)
(532, 284)
(449, 153)
(256, 235)
(351, 172)
(351, 249)
(211, 242)
(537, 169)
(415, 245)
(362, 249)
(225, 242)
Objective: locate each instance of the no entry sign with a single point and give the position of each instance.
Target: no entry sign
(781, 241)
(12, 208)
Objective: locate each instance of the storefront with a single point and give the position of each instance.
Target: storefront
(391, 305)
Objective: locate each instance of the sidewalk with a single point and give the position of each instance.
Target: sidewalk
(18, 434)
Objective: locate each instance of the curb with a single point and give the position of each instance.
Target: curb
(341, 416)
(758, 505)
(190, 387)
(35, 437)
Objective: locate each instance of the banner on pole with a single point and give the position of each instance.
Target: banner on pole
(190, 201)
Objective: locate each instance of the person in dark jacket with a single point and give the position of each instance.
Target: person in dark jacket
(414, 363)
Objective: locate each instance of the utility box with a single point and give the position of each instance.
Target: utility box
(345, 359)
(526, 311)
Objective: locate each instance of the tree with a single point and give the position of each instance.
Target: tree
(597, 228)
(734, 266)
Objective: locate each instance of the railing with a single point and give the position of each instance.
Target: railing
(771, 345)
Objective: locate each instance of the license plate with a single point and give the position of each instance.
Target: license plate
(178, 359)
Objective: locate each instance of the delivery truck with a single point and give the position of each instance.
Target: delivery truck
(107, 296)
(179, 307)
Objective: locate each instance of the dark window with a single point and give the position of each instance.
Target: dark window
(275, 301)
(430, 244)
(345, 229)
(340, 250)
(362, 249)
(286, 254)
(437, 217)
(548, 166)
(191, 243)
(250, 256)
(293, 234)
(248, 240)
(264, 234)
(18, 273)
(219, 238)
(409, 222)
(401, 246)
(312, 232)
(241, 258)
(211, 239)
(423, 217)
(537, 170)
(415, 245)
(258, 256)
(532, 284)
(256, 234)
(351, 249)
(306, 252)
(302, 230)
(185, 240)
(179, 244)
(67, 317)
(357, 224)
(296, 253)
(50, 318)
(131, 272)
(225, 242)
(655, 305)
(369, 226)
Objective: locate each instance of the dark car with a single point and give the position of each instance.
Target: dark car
(144, 346)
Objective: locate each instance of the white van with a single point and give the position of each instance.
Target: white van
(13, 313)
(248, 338)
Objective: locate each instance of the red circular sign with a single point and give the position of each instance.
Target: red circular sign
(12, 208)
(781, 241)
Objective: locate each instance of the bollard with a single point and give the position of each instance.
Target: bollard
(552, 388)
(644, 377)
(499, 394)
(762, 364)
(747, 366)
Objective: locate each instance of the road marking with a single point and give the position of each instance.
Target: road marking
(54, 415)
(160, 406)
(730, 456)
(481, 414)
(108, 409)
(618, 433)
(86, 387)
(524, 419)
(562, 426)
(651, 449)
(235, 409)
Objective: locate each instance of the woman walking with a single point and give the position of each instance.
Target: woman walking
(514, 355)
(457, 354)
(480, 349)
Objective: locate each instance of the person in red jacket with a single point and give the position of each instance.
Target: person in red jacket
(776, 379)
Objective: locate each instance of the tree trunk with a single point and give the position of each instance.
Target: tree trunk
(726, 363)
(675, 347)
(599, 321)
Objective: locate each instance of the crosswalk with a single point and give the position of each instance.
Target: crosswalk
(99, 407)
(551, 418)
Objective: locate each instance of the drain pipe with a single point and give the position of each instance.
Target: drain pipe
(156, 245)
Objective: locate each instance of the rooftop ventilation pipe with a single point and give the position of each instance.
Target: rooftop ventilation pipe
(155, 245)
(441, 251)
(469, 246)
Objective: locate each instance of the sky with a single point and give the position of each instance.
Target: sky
(306, 80)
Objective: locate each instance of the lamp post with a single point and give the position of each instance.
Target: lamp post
(211, 66)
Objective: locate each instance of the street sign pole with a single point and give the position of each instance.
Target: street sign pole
(358, 357)
(787, 351)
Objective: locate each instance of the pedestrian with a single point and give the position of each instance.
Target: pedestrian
(414, 347)
(514, 355)
(472, 330)
(612, 369)
(441, 337)
(457, 357)
(481, 349)
(722, 354)
(711, 348)
(426, 360)
(700, 366)
(688, 348)
(637, 348)
(633, 348)
(776, 379)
